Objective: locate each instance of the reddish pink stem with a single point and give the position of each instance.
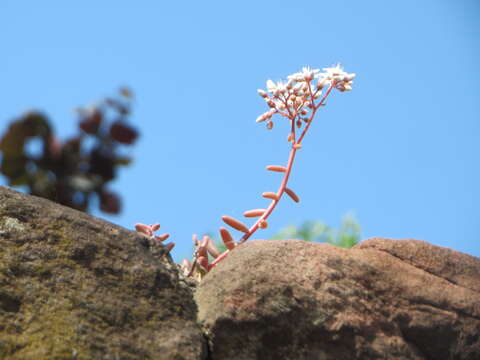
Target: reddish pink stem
(284, 182)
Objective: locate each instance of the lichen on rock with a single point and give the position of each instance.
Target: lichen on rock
(382, 299)
(75, 287)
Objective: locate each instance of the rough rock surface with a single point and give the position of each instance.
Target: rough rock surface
(76, 287)
(383, 299)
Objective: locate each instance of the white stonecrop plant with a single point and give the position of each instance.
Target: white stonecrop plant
(297, 99)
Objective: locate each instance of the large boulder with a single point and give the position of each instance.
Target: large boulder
(382, 299)
(76, 287)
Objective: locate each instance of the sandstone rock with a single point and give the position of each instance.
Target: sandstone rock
(76, 287)
(383, 299)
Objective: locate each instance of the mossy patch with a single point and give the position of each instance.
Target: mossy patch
(76, 287)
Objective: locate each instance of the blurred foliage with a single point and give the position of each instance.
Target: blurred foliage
(346, 236)
(74, 171)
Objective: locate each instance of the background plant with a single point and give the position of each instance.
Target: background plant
(75, 171)
(347, 235)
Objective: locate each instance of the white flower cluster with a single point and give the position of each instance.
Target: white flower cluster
(343, 80)
(297, 96)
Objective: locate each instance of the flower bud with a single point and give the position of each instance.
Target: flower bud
(263, 224)
(271, 103)
(261, 118)
(262, 93)
(270, 85)
(351, 76)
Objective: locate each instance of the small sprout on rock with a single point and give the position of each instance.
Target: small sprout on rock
(149, 230)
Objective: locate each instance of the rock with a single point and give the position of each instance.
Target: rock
(382, 299)
(76, 287)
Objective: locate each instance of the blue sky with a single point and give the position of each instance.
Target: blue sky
(401, 150)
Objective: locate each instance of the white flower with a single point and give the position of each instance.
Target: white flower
(276, 88)
(262, 93)
(322, 82)
(290, 84)
(333, 72)
(343, 80)
(295, 77)
(266, 116)
(351, 76)
(271, 86)
(307, 74)
(296, 93)
(280, 105)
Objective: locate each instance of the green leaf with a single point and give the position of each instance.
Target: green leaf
(346, 236)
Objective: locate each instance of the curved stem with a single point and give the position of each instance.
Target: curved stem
(284, 182)
(274, 203)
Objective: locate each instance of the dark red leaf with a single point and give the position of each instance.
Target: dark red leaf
(102, 163)
(74, 143)
(109, 202)
(92, 123)
(123, 133)
(29, 125)
(126, 92)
